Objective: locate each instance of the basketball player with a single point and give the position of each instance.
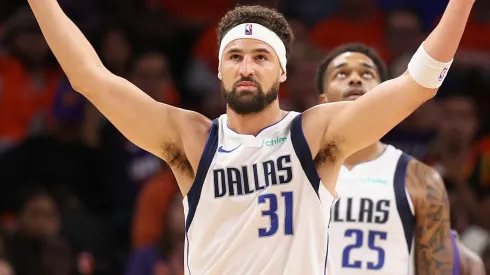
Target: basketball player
(390, 204)
(253, 198)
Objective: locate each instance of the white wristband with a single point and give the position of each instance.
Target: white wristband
(427, 71)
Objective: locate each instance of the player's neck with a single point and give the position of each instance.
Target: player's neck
(252, 124)
(367, 154)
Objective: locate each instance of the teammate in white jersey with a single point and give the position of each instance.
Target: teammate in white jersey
(392, 208)
(254, 200)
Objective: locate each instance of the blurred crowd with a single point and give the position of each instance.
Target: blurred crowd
(76, 197)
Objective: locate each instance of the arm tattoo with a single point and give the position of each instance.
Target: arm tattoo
(433, 247)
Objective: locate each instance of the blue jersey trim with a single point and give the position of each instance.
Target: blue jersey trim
(328, 238)
(402, 204)
(456, 256)
(303, 152)
(206, 158)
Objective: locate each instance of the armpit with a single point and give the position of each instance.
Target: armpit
(177, 159)
(328, 153)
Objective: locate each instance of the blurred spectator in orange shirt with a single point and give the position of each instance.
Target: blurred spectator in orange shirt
(27, 81)
(151, 205)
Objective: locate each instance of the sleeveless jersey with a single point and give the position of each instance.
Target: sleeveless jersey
(257, 205)
(373, 222)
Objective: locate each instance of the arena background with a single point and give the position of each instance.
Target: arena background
(76, 197)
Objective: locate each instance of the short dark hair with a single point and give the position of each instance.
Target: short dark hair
(267, 17)
(351, 47)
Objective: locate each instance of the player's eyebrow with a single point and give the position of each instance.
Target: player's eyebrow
(258, 50)
(368, 66)
(364, 64)
(339, 66)
(234, 50)
(261, 50)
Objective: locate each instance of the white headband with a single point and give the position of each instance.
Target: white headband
(255, 31)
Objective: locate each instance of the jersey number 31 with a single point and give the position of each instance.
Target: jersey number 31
(273, 201)
(358, 237)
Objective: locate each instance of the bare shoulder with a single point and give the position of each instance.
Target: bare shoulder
(315, 123)
(425, 185)
(323, 112)
(191, 120)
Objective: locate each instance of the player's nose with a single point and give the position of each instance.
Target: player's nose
(246, 67)
(355, 79)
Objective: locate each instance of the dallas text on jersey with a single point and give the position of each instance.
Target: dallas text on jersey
(233, 181)
(369, 211)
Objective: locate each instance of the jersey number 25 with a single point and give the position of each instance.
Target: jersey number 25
(358, 237)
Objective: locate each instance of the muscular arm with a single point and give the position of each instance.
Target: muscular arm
(433, 246)
(147, 123)
(364, 121)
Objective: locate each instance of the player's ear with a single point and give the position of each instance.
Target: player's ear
(283, 76)
(322, 99)
(219, 75)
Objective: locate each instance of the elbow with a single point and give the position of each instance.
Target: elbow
(418, 91)
(87, 79)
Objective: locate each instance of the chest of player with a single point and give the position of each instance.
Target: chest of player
(243, 167)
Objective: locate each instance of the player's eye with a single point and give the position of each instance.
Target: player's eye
(261, 57)
(367, 75)
(341, 75)
(235, 57)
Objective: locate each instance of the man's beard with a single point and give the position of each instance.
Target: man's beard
(245, 102)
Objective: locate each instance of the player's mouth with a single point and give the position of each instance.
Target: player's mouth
(246, 86)
(354, 93)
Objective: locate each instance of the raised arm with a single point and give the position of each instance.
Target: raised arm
(147, 123)
(432, 234)
(364, 121)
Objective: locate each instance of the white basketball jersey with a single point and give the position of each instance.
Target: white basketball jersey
(372, 224)
(257, 205)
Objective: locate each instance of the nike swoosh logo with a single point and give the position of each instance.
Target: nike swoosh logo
(221, 150)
